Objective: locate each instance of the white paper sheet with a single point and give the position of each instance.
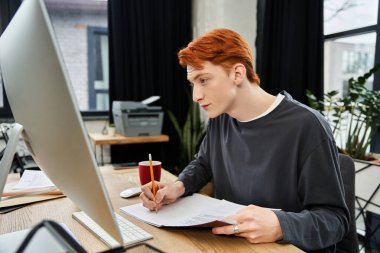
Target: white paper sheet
(33, 179)
(193, 210)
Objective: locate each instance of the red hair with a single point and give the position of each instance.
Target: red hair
(222, 47)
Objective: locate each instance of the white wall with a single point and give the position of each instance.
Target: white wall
(238, 15)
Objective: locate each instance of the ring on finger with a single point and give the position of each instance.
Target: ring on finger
(235, 228)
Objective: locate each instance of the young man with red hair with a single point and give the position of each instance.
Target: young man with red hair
(260, 150)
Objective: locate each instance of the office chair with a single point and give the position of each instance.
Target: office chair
(350, 242)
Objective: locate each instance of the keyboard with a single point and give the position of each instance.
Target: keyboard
(130, 233)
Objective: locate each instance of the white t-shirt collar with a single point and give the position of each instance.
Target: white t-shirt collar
(273, 106)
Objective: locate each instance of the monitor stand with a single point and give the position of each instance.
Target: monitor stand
(10, 150)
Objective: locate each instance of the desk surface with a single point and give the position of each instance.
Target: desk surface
(167, 239)
(104, 139)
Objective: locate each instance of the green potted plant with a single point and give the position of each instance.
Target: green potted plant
(111, 129)
(190, 134)
(354, 118)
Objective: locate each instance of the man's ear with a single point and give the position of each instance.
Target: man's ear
(239, 73)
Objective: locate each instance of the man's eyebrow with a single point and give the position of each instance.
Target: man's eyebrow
(197, 76)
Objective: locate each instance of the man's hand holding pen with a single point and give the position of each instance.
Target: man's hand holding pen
(166, 193)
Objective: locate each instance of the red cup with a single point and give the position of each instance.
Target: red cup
(144, 171)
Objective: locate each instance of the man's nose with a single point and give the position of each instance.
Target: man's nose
(197, 93)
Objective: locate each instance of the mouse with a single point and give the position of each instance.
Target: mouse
(130, 192)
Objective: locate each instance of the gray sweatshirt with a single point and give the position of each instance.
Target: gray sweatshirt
(286, 160)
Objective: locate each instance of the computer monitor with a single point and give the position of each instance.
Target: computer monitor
(43, 102)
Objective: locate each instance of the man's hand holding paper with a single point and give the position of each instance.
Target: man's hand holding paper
(256, 224)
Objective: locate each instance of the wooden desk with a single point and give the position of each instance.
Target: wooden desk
(166, 239)
(103, 139)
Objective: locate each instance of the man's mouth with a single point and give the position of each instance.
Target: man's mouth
(205, 107)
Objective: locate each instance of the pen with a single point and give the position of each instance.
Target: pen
(152, 176)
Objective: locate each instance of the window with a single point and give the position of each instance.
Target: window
(347, 57)
(80, 27)
(345, 15)
(351, 47)
(87, 64)
(350, 29)
(98, 68)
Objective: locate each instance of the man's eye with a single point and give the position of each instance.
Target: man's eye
(203, 80)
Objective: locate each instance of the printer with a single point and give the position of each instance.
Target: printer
(137, 118)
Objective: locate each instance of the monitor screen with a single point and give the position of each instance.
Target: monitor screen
(43, 102)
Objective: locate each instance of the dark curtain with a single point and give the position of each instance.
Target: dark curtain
(290, 47)
(7, 9)
(375, 143)
(144, 38)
